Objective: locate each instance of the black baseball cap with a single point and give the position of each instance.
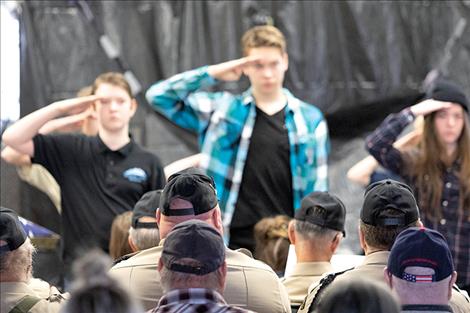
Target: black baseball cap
(323, 209)
(195, 240)
(389, 203)
(146, 206)
(421, 247)
(191, 185)
(444, 90)
(11, 230)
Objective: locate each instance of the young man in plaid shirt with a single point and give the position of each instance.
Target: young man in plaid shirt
(264, 148)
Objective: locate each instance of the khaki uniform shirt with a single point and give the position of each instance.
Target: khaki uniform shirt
(372, 268)
(303, 275)
(12, 292)
(250, 284)
(37, 176)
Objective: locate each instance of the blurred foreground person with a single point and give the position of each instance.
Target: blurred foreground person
(359, 296)
(94, 291)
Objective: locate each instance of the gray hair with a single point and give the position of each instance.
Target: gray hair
(144, 238)
(17, 264)
(309, 231)
(173, 280)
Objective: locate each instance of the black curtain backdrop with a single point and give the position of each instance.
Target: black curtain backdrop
(355, 60)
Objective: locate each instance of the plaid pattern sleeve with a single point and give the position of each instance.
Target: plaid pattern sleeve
(454, 224)
(380, 142)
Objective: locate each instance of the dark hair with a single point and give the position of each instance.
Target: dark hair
(272, 241)
(94, 291)
(427, 161)
(358, 296)
(382, 237)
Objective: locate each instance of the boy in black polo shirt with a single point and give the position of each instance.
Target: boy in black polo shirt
(100, 177)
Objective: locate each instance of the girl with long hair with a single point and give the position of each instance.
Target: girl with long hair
(438, 168)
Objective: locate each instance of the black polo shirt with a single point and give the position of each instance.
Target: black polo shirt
(96, 184)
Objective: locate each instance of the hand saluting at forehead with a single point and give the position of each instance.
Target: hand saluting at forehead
(231, 70)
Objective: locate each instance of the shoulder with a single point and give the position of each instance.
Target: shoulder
(144, 258)
(316, 290)
(239, 259)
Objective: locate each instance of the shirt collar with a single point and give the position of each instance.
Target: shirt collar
(377, 257)
(124, 151)
(247, 98)
(311, 268)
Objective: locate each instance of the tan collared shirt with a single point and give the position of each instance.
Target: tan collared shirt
(303, 275)
(372, 268)
(250, 284)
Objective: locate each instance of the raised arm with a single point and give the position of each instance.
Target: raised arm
(182, 164)
(19, 136)
(179, 98)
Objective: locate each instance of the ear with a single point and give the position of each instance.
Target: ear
(158, 216)
(362, 241)
(453, 279)
(291, 232)
(335, 243)
(217, 220)
(132, 244)
(133, 106)
(160, 264)
(285, 58)
(388, 278)
(223, 272)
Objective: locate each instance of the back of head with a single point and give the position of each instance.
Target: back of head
(261, 37)
(358, 296)
(323, 210)
(94, 291)
(389, 207)
(193, 255)
(114, 79)
(189, 194)
(16, 250)
(421, 263)
(144, 232)
(272, 241)
(118, 242)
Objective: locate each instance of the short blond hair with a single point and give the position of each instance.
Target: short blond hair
(263, 36)
(112, 78)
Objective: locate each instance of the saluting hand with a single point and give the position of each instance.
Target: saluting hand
(231, 70)
(75, 105)
(428, 106)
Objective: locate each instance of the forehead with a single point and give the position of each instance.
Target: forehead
(109, 90)
(454, 108)
(266, 54)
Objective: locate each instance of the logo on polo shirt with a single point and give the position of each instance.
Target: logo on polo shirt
(135, 175)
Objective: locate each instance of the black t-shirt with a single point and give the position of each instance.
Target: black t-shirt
(96, 184)
(266, 187)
